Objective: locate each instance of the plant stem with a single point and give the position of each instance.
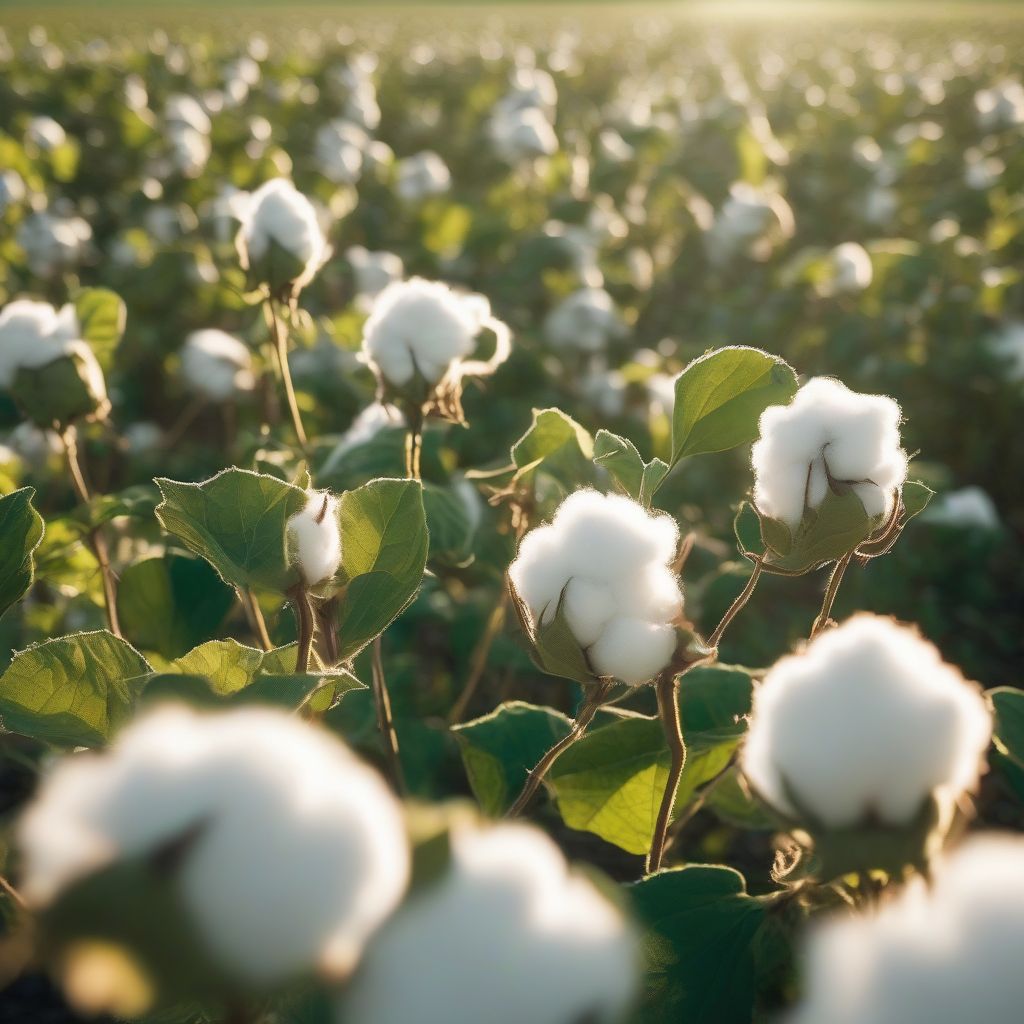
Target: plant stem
(478, 661)
(668, 708)
(737, 606)
(97, 541)
(385, 721)
(256, 620)
(280, 337)
(307, 626)
(830, 594)
(414, 445)
(13, 895)
(584, 717)
(327, 626)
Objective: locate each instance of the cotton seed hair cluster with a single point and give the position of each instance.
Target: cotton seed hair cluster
(606, 560)
(316, 537)
(216, 365)
(940, 955)
(828, 437)
(296, 851)
(507, 935)
(866, 722)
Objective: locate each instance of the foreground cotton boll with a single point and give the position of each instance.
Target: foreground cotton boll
(828, 437)
(940, 955)
(216, 365)
(292, 851)
(507, 935)
(316, 535)
(865, 723)
(278, 214)
(609, 558)
(586, 320)
(33, 334)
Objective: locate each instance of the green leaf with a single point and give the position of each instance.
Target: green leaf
(21, 531)
(73, 690)
(171, 604)
(101, 317)
(611, 782)
(1008, 727)
(720, 397)
(384, 552)
(619, 456)
(449, 524)
(60, 392)
(747, 527)
(826, 533)
(236, 520)
(227, 664)
(556, 443)
(558, 651)
(654, 473)
(916, 496)
(500, 749)
(701, 930)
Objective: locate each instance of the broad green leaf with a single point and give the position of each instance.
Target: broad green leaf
(383, 555)
(171, 604)
(21, 531)
(73, 690)
(619, 456)
(611, 782)
(227, 664)
(701, 930)
(558, 444)
(916, 496)
(101, 319)
(136, 502)
(500, 749)
(720, 397)
(449, 523)
(236, 520)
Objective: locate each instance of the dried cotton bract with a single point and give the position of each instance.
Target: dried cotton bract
(940, 955)
(828, 437)
(508, 935)
(607, 560)
(216, 365)
(866, 723)
(317, 538)
(292, 850)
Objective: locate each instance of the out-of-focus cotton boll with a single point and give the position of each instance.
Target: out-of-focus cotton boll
(851, 269)
(45, 134)
(828, 431)
(524, 940)
(605, 390)
(523, 135)
(661, 387)
(981, 171)
(143, 437)
(12, 189)
(34, 445)
(361, 106)
(181, 109)
(943, 954)
(880, 205)
(317, 538)
(531, 88)
(374, 271)
(338, 150)
(216, 365)
(1001, 106)
(421, 176)
(364, 428)
(52, 243)
(967, 508)
(865, 723)
(189, 150)
(586, 320)
(609, 558)
(614, 148)
(296, 851)
(33, 334)
(750, 215)
(422, 327)
(1007, 344)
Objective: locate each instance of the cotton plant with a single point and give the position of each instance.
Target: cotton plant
(374, 271)
(338, 150)
(260, 841)
(938, 954)
(524, 939)
(967, 508)
(750, 221)
(585, 321)
(421, 176)
(850, 270)
(53, 241)
(216, 365)
(865, 743)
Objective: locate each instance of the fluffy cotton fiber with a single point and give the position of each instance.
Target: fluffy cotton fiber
(508, 935)
(866, 721)
(317, 537)
(216, 364)
(943, 955)
(612, 558)
(33, 334)
(300, 851)
(828, 431)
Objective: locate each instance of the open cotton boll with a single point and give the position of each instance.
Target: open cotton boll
(216, 364)
(633, 650)
(53, 243)
(420, 176)
(1007, 344)
(186, 110)
(507, 935)
(865, 722)
(33, 334)
(852, 270)
(747, 216)
(828, 429)
(586, 320)
(317, 537)
(523, 134)
(338, 148)
(374, 271)
(296, 852)
(940, 955)
(967, 508)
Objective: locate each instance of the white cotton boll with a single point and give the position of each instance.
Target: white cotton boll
(421, 326)
(52, 243)
(539, 572)
(317, 537)
(585, 320)
(851, 269)
(45, 134)
(420, 176)
(1001, 106)
(338, 150)
(1008, 345)
(967, 508)
(186, 110)
(508, 935)
(189, 150)
(939, 955)
(589, 606)
(866, 721)
(12, 189)
(748, 214)
(374, 271)
(522, 135)
(827, 426)
(216, 364)
(299, 852)
(880, 205)
(33, 334)
(633, 650)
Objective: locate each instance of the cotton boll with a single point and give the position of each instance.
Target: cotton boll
(939, 955)
(586, 320)
(298, 852)
(317, 537)
(967, 508)
(633, 650)
(45, 134)
(852, 270)
(866, 721)
(589, 605)
(52, 243)
(539, 572)
(523, 940)
(1008, 346)
(217, 365)
(374, 271)
(181, 109)
(33, 334)
(420, 176)
(827, 430)
(338, 149)
(522, 135)
(12, 189)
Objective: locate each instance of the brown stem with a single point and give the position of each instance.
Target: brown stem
(737, 606)
(668, 708)
(97, 541)
(584, 717)
(478, 661)
(13, 894)
(307, 626)
(385, 721)
(830, 594)
(255, 615)
(281, 348)
(327, 628)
